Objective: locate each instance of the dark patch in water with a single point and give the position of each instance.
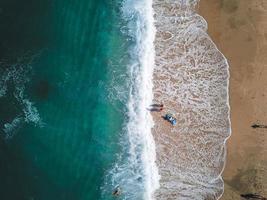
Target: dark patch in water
(42, 89)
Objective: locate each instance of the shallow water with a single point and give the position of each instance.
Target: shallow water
(191, 78)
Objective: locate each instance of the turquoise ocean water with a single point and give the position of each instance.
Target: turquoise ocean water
(75, 88)
(61, 113)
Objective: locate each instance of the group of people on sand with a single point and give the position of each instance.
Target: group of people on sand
(156, 107)
(153, 108)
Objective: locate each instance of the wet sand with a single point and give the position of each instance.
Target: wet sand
(191, 79)
(239, 29)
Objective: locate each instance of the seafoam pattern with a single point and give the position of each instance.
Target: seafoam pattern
(17, 76)
(191, 78)
(135, 171)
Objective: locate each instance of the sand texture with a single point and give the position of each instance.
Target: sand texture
(239, 29)
(191, 80)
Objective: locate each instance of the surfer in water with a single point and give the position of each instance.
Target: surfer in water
(116, 191)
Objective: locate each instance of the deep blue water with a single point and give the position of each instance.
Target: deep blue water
(57, 63)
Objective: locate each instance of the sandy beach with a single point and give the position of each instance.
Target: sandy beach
(239, 29)
(191, 80)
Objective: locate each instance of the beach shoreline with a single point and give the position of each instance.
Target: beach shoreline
(238, 29)
(191, 79)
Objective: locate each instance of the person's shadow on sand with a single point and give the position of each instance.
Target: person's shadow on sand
(154, 109)
(253, 196)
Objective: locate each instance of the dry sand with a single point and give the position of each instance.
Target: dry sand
(239, 29)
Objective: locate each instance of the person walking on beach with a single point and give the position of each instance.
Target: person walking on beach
(160, 106)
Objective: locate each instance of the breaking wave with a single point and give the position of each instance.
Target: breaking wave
(135, 171)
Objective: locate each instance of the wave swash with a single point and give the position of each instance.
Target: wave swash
(191, 77)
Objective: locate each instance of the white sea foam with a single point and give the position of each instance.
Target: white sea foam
(11, 128)
(136, 171)
(192, 79)
(17, 76)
